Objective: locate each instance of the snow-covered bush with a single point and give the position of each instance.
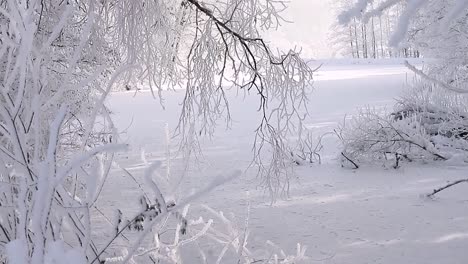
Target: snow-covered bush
(427, 123)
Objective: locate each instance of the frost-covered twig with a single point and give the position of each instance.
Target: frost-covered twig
(434, 80)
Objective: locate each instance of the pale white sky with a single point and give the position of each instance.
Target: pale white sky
(312, 20)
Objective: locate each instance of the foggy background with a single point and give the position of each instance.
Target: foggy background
(310, 28)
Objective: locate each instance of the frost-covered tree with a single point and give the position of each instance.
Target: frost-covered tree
(59, 60)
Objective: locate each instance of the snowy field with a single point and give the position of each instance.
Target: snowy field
(370, 215)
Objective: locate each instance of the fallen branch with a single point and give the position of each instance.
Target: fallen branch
(446, 187)
(350, 160)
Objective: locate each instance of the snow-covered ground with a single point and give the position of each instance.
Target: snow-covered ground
(370, 215)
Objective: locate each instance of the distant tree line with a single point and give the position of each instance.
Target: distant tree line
(367, 36)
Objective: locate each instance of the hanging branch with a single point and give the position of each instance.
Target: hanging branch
(230, 51)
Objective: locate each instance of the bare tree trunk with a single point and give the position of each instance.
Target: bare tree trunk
(351, 41)
(374, 45)
(364, 41)
(388, 32)
(381, 38)
(356, 38)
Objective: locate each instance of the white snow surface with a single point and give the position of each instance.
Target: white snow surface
(370, 215)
